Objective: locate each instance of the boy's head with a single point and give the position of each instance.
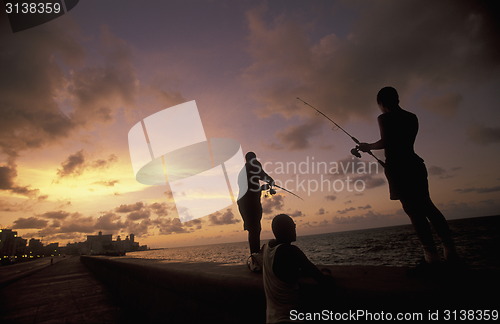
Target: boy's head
(284, 228)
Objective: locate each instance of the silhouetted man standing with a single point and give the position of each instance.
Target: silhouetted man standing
(249, 204)
(407, 174)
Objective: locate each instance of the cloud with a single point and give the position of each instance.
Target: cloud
(369, 216)
(324, 222)
(141, 228)
(58, 82)
(441, 172)
(445, 105)
(78, 223)
(370, 181)
(55, 223)
(435, 170)
(139, 219)
(76, 163)
(193, 223)
(161, 209)
(109, 221)
(60, 214)
(73, 165)
(23, 205)
(296, 213)
(8, 173)
(32, 83)
(9, 207)
(460, 209)
(104, 163)
(296, 137)
(170, 226)
(312, 224)
(480, 190)
(225, 218)
(130, 208)
(346, 210)
(373, 182)
(368, 206)
(30, 222)
(107, 183)
(484, 135)
(98, 91)
(272, 204)
(139, 214)
(330, 197)
(341, 74)
(52, 86)
(321, 211)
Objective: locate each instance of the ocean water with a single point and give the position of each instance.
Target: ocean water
(477, 240)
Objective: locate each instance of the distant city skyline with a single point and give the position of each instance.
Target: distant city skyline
(72, 88)
(14, 248)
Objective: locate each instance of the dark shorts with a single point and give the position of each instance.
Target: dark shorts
(251, 213)
(407, 180)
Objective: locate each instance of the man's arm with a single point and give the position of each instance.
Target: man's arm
(365, 147)
(290, 263)
(378, 145)
(307, 267)
(263, 176)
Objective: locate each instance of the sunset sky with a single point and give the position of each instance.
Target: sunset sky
(71, 89)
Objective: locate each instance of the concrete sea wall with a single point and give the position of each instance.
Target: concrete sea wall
(177, 292)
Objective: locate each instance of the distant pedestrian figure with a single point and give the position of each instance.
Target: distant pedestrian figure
(284, 264)
(407, 175)
(249, 204)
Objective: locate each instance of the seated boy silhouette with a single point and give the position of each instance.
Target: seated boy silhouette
(283, 265)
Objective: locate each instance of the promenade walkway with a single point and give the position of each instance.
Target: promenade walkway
(65, 292)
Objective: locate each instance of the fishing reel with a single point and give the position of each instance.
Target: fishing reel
(268, 188)
(355, 152)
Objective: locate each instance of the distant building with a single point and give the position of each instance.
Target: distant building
(51, 249)
(14, 248)
(104, 244)
(36, 247)
(11, 245)
(99, 244)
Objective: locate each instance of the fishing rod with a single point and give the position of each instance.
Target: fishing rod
(286, 191)
(268, 186)
(354, 151)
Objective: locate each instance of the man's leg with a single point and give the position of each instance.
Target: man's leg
(442, 229)
(413, 209)
(246, 213)
(254, 239)
(251, 212)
